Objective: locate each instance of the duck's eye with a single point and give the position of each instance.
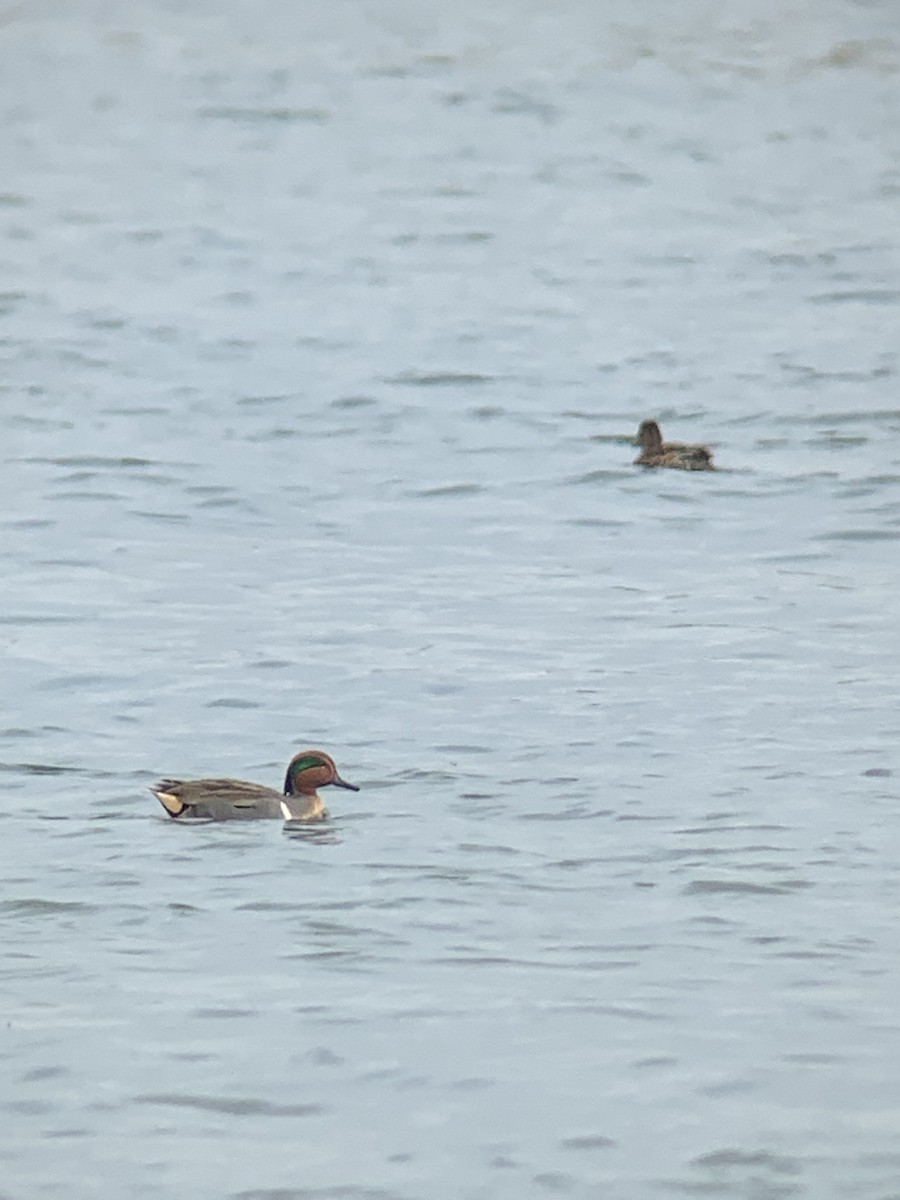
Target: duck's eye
(316, 777)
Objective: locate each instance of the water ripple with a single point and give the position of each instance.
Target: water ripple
(233, 1106)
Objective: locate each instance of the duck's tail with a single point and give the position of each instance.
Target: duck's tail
(172, 803)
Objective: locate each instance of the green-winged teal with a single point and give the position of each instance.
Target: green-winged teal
(236, 800)
(657, 453)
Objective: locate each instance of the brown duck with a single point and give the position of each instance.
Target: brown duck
(237, 800)
(657, 453)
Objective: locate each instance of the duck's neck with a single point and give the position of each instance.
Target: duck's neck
(651, 441)
(303, 806)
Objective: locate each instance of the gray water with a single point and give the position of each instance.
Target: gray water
(325, 330)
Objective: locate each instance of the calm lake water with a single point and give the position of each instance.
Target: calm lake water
(325, 331)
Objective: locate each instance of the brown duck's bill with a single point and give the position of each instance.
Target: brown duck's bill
(342, 783)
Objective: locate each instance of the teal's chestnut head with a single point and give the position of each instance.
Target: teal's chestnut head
(310, 770)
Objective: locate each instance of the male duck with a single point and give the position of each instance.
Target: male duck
(657, 453)
(236, 800)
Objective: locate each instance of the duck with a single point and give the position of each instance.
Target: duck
(237, 800)
(657, 453)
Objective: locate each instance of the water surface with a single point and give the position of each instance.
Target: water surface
(325, 333)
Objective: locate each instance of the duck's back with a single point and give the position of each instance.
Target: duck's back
(680, 457)
(690, 458)
(218, 799)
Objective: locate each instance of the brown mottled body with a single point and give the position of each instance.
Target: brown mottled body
(238, 800)
(657, 453)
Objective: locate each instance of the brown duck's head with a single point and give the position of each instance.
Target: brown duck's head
(649, 437)
(311, 769)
